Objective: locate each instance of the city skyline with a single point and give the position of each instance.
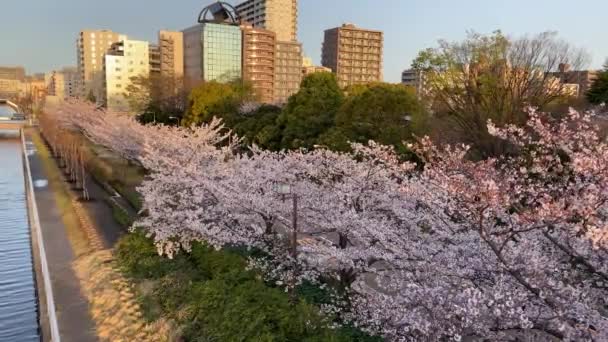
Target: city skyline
(408, 28)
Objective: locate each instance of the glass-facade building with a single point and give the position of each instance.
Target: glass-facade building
(221, 53)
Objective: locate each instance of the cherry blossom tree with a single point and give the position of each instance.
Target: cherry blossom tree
(512, 245)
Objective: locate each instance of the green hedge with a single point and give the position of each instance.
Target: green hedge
(213, 297)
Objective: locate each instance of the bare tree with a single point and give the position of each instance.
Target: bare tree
(495, 77)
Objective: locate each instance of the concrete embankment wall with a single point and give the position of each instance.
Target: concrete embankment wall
(47, 312)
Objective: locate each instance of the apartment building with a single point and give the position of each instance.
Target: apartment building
(62, 83)
(92, 46)
(354, 54)
(309, 68)
(11, 81)
(154, 53)
(583, 78)
(415, 79)
(288, 70)
(12, 73)
(124, 60)
(259, 47)
(171, 48)
(279, 16)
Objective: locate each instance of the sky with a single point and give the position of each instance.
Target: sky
(40, 34)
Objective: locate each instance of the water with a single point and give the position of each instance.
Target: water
(18, 303)
(6, 111)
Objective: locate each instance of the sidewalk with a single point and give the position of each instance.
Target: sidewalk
(75, 323)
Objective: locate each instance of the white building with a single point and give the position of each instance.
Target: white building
(125, 60)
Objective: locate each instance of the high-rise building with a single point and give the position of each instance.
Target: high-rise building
(212, 52)
(154, 53)
(279, 16)
(288, 70)
(124, 60)
(213, 48)
(92, 46)
(354, 54)
(171, 47)
(259, 61)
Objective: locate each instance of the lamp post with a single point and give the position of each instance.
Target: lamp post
(285, 190)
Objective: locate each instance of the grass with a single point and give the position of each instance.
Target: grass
(212, 296)
(119, 213)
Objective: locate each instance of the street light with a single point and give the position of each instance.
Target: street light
(284, 189)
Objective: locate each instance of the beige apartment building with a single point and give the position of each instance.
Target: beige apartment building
(154, 53)
(12, 73)
(309, 68)
(287, 70)
(583, 78)
(259, 47)
(11, 81)
(124, 60)
(92, 46)
(171, 47)
(63, 83)
(354, 54)
(279, 16)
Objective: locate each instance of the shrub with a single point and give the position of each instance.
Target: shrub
(212, 296)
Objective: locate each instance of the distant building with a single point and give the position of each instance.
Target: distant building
(62, 83)
(10, 88)
(583, 78)
(11, 81)
(415, 79)
(171, 47)
(279, 16)
(213, 48)
(124, 60)
(259, 47)
(309, 68)
(91, 48)
(288, 70)
(154, 54)
(12, 73)
(354, 54)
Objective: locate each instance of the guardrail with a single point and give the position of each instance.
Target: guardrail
(35, 222)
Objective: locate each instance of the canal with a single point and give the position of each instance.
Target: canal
(18, 302)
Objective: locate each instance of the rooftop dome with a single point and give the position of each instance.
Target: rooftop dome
(219, 12)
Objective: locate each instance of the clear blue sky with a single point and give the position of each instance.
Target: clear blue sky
(40, 34)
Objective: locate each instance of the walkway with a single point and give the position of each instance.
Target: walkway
(72, 309)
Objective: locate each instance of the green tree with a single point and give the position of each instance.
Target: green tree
(494, 77)
(156, 98)
(260, 127)
(216, 99)
(386, 113)
(311, 111)
(598, 93)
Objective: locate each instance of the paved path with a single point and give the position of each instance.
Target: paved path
(75, 323)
